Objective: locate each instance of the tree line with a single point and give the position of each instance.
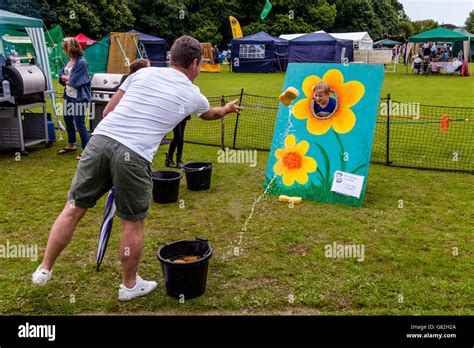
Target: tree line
(208, 20)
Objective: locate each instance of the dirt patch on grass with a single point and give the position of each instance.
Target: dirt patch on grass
(299, 249)
(340, 301)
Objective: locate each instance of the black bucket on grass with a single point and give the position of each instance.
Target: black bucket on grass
(165, 186)
(198, 175)
(186, 279)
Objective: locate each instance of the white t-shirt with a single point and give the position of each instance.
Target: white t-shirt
(155, 101)
(70, 91)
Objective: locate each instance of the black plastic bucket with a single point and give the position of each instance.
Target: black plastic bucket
(198, 175)
(165, 186)
(185, 279)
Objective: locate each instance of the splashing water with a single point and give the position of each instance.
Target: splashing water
(290, 124)
(249, 218)
(259, 198)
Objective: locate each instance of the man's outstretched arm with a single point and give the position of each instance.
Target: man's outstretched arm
(216, 113)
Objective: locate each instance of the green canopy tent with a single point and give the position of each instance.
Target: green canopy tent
(56, 56)
(438, 35)
(97, 55)
(441, 35)
(34, 28)
(21, 43)
(15, 40)
(471, 41)
(15, 21)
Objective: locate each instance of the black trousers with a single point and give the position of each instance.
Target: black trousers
(178, 139)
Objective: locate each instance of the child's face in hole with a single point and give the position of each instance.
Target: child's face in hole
(320, 97)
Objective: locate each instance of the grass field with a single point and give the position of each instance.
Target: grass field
(416, 227)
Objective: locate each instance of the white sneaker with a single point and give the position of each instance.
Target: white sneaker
(41, 276)
(141, 288)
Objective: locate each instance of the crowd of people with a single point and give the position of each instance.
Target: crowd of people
(431, 52)
(440, 51)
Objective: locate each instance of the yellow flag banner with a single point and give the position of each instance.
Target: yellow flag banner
(236, 30)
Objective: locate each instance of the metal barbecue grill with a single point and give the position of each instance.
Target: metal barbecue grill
(103, 88)
(18, 128)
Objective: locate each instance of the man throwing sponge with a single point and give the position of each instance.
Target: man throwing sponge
(148, 105)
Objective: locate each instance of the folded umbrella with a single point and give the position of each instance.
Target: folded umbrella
(106, 227)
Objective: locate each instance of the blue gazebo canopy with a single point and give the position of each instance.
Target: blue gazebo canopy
(155, 48)
(319, 47)
(386, 42)
(147, 38)
(272, 57)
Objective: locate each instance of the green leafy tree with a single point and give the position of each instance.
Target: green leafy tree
(95, 18)
(406, 29)
(209, 20)
(33, 8)
(470, 22)
(256, 27)
(162, 18)
(282, 24)
(424, 25)
(207, 33)
(77, 15)
(317, 14)
(398, 7)
(357, 15)
(25, 8)
(206, 20)
(321, 16)
(388, 16)
(249, 11)
(114, 15)
(48, 14)
(294, 16)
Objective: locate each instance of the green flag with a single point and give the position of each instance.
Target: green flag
(266, 10)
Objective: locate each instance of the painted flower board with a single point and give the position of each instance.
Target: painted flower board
(328, 127)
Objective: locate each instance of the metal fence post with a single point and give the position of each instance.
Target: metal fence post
(387, 149)
(237, 118)
(222, 125)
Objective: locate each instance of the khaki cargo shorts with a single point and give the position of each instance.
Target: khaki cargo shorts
(105, 163)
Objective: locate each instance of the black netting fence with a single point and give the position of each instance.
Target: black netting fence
(424, 136)
(252, 129)
(406, 134)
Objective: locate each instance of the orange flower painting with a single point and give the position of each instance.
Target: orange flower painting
(292, 163)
